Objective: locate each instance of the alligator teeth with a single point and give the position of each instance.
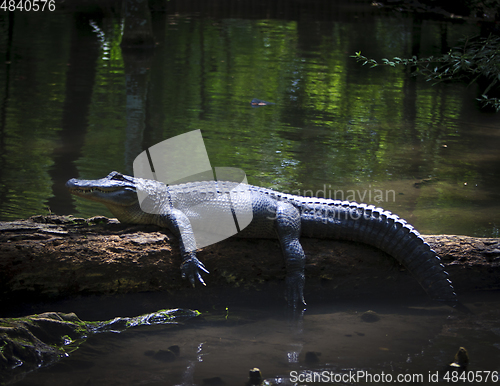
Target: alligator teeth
(90, 190)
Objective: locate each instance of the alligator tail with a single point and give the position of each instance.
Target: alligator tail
(388, 232)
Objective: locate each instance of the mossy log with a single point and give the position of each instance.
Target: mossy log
(47, 257)
(28, 343)
(35, 341)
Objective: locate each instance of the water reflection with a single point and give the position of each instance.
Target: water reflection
(73, 112)
(410, 337)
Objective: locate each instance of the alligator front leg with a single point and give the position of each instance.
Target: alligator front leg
(179, 224)
(288, 226)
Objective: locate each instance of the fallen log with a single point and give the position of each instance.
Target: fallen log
(51, 257)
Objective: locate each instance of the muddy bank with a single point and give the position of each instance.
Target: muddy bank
(50, 257)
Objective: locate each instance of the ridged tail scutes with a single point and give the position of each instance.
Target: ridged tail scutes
(399, 239)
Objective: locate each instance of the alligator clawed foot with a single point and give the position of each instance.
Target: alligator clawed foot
(191, 269)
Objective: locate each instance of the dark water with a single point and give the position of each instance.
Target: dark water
(75, 105)
(412, 338)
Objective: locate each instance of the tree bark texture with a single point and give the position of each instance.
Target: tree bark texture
(51, 257)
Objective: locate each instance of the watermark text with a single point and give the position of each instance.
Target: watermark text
(366, 195)
(363, 376)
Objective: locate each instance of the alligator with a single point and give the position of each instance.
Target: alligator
(275, 215)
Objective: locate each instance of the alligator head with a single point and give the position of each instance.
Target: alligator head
(114, 189)
(117, 191)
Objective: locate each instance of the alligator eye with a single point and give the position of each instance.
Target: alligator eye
(118, 177)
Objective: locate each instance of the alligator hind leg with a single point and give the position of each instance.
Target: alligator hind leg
(287, 224)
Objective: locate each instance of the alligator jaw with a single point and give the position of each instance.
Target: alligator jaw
(111, 190)
(85, 191)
